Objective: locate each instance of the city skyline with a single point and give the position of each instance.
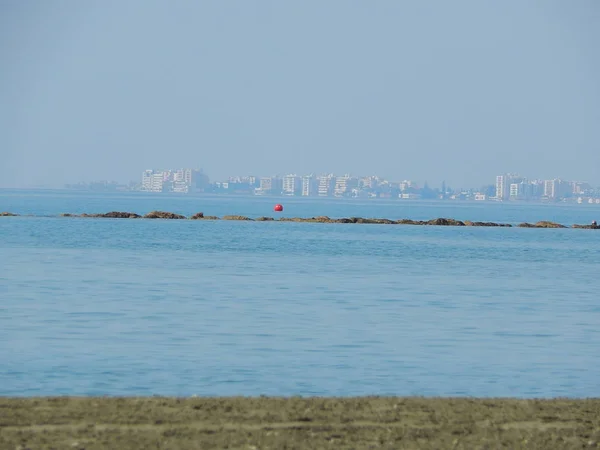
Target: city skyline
(229, 177)
(505, 187)
(459, 90)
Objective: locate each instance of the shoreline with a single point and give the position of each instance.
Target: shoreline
(440, 221)
(298, 422)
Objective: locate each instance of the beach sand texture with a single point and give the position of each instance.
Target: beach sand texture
(297, 423)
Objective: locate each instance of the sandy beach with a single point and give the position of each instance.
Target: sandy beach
(297, 423)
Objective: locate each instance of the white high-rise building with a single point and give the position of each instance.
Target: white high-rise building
(550, 188)
(344, 185)
(158, 182)
(502, 187)
(309, 186)
(153, 181)
(503, 183)
(147, 180)
(180, 180)
(326, 185)
(291, 185)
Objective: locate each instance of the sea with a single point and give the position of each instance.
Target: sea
(145, 307)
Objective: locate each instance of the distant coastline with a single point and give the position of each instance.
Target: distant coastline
(591, 201)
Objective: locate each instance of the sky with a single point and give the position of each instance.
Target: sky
(457, 90)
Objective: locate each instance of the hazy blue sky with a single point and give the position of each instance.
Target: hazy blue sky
(424, 90)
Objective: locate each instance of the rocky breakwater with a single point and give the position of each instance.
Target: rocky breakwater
(440, 221)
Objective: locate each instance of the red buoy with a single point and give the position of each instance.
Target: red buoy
(278, 207)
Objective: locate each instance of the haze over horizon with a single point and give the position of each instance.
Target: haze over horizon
(430, 91)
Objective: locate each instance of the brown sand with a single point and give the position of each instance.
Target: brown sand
(297, 423)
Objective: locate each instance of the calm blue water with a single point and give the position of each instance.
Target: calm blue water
(142, 307)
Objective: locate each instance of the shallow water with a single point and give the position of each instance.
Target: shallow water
(141, 307)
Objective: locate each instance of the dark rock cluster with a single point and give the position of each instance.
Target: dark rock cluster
(440, 221)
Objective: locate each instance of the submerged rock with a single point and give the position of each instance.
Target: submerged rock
(264, 219)
(374, 220)
(236, 218)
(163, 215)
(119, 215)
(8, 214)
(108, 215)
(486, 224)
(541, 224)
(293, 219)
(446, 222)
(409, 222)
(318, 219)
(548, 224)
(587, 227)
(201, 216)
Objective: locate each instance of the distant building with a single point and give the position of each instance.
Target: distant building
(502, 189)
(291, 185)
(550, 188)
(405, 185)
(269, 185)
(503, 185)
(326, 185)
(344, 185)
(180, 180)
(154, 181)
(309, 186)
(409, 196)
(579, 187)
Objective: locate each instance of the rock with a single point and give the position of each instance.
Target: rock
(446, 222)
(526, 225)
(378, 221)
(486, 224)
(410, 222)
(163, 215)
(587, 227)
(236, 218)
(119, 215)
(290, 219)
(264, 219)
(8, 214)
(201, 216)
(541, 224)
(318, 219)
(548, 224)
(108, 215)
